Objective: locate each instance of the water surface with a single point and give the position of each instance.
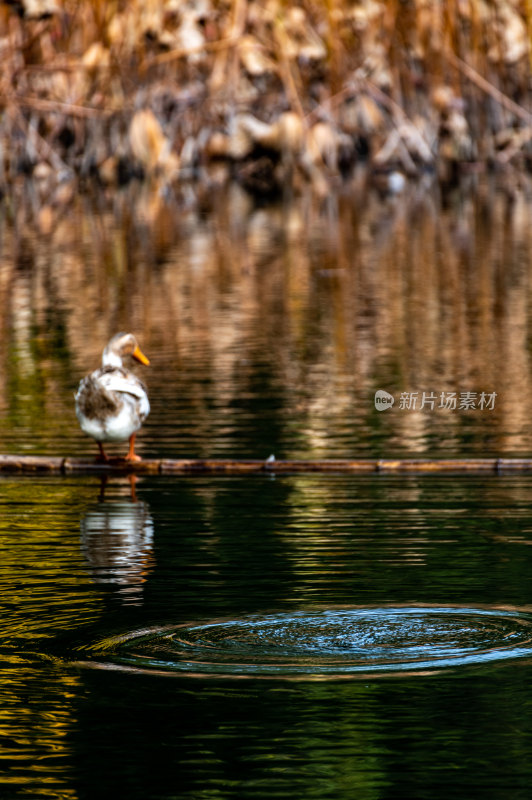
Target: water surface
(79, 574)
(271, 329)
(321, 636)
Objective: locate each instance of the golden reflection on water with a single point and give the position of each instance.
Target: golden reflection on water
(330, 299)
(35, 733)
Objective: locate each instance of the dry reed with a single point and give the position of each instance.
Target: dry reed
(275, 92)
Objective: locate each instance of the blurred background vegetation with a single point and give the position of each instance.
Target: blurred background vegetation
(272, 93)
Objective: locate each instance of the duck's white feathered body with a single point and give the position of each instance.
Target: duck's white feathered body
(111, 402)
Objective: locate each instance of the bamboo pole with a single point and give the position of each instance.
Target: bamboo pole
(32, 465)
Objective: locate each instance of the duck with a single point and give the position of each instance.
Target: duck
(112, 402)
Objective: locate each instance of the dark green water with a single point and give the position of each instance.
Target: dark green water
(78, 572)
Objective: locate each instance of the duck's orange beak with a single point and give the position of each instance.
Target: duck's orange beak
(139, 356)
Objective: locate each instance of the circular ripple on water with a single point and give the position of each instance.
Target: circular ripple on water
(325, 643)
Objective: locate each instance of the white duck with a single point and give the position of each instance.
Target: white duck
(111, 402)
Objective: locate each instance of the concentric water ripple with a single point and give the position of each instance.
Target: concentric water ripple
(325, 643)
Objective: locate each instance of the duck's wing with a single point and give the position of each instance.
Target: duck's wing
(121, 381)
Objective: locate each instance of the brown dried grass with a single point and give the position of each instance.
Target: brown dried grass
(413, 84)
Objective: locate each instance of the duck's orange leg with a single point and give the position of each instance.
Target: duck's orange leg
(103, 454)
(131, 455)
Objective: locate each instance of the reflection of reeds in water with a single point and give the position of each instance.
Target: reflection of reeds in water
(314, 306)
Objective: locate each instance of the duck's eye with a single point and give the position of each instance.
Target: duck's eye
(127, 348)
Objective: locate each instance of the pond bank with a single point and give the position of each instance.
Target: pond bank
(272, 95)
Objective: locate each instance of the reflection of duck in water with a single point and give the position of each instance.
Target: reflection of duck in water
(111, 402)
(117, 539)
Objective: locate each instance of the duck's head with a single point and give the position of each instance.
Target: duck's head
(121, 345)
